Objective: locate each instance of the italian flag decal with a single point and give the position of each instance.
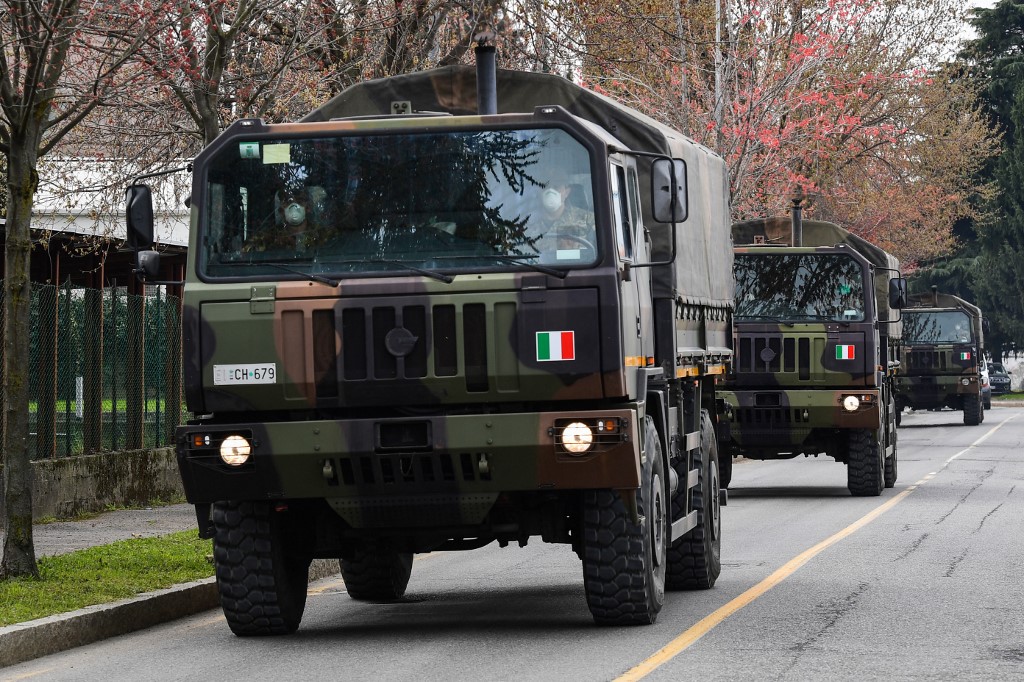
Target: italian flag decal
(965, 356)
(844, 352)
(556, 346)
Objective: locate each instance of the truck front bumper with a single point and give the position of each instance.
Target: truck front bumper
(785, 419)
(465, 461)
(935, 390)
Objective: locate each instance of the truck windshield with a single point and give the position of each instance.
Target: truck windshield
(947, 326)
(799, 287)
(357, 204)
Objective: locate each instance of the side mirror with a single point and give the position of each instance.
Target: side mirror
(668, 190)
(897, 293)
(986, 326)
(139, 215)
(148, 264)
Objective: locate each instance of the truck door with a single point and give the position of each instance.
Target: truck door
(634, 282)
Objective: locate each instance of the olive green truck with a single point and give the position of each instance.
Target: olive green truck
(817, 332)
(385, 356)
(943, 346)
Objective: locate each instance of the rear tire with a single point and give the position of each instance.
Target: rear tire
(262, 584)
(864, 470)
(624, 562)
(376, 575)
(695, 560)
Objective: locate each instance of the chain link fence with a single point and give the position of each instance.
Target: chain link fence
(105, 370)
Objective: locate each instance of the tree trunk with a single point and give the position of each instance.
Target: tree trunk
(19, 553)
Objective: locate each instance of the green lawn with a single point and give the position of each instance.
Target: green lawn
(105, 574)
(152, 405)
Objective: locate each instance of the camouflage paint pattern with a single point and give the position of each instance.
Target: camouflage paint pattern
(786, 391)
(406, 402)
(936, 375)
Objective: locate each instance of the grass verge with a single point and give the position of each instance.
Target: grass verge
(103, 574)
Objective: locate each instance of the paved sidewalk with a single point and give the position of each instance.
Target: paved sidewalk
(34, 639)
(61, 537)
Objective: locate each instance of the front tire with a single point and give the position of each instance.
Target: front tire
(376, 574)
(864, 469)
(262, 584)
(724, 462)
(624, 562)
(972, 410)
(695, 560)
(891, 463)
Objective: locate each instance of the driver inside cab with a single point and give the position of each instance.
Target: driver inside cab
(560, 214)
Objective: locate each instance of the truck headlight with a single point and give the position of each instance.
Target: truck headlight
(965, 381)
(851, 403)
(235, 450)
(577, 438)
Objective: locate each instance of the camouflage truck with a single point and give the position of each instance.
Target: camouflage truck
(943, 345)
(431, 373)
(816, 336)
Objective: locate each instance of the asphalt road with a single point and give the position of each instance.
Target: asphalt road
(922, 583)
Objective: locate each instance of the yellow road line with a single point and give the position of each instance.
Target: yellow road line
(706, 624)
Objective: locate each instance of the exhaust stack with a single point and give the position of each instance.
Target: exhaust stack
(486, 73)
(798, 218)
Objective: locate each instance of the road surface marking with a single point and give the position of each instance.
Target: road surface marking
(706, 624)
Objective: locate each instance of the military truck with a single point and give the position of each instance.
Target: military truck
(424, 371)
(943, 346)
(816, 334)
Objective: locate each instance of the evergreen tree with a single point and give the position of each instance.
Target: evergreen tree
(999, 277)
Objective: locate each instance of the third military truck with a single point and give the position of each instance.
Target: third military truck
(401, 338)
(943, 343)
(816, 331)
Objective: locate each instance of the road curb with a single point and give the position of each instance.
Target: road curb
(37, 638)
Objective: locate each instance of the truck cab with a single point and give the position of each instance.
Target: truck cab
(401, 337)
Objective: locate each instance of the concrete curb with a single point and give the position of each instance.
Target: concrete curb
(37, 638)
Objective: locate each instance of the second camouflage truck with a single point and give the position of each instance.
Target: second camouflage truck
(943, 343)
(816, 330)
(385, 355)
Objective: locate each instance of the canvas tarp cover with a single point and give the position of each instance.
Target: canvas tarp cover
(703, 271)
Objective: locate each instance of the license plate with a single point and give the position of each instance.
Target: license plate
(227, 375)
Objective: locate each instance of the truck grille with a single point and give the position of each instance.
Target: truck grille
(769, 417)
(412, 470)
(772, 354)
(928, 360)
(402, 342)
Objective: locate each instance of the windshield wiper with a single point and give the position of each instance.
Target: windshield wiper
(440, 276)
(770, 318)
(515, 259)
(288, 268)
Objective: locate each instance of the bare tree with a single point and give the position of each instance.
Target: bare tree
(59, 61)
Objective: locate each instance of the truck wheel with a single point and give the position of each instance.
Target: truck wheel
(695, 560)
(864, 475)
(376, 575)
(624, 562)
(724, 462)
(262, 585)
(891, 463)
(972, 410)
